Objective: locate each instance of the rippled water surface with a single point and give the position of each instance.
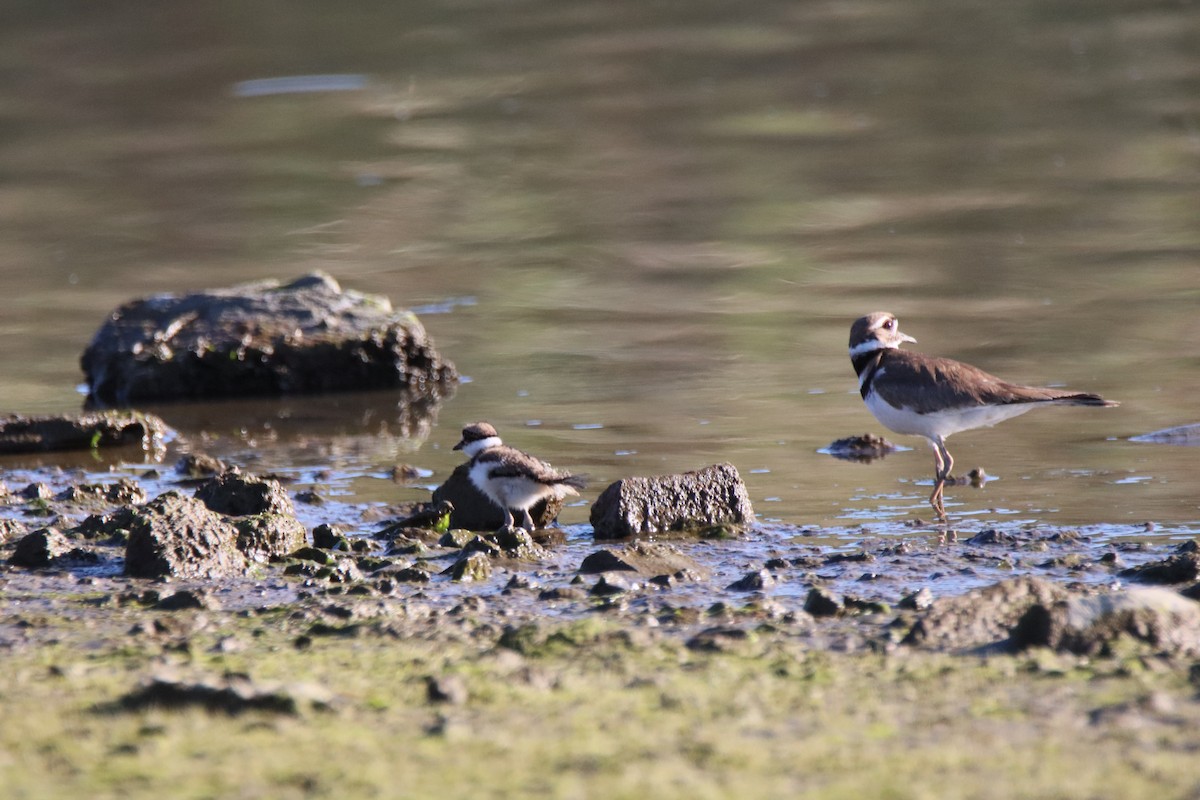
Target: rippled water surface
(641, 229)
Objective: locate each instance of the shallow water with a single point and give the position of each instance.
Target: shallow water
(642, 230)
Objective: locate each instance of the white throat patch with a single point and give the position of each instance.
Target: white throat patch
(475, 448)
(869, 346)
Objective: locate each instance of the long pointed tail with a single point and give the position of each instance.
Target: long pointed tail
(1084, 399)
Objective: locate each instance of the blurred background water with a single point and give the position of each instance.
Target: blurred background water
(642, 229)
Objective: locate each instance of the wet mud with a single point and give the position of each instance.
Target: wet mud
(239, 541)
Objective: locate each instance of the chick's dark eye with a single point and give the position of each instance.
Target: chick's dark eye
(891, 323)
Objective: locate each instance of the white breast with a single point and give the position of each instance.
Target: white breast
(513, 491)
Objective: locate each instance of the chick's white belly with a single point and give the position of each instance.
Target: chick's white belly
(511, 491)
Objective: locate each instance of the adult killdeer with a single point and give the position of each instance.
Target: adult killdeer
(920, 395)
(510, 478)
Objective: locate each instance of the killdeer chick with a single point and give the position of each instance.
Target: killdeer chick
(921, 395)
(511, 478)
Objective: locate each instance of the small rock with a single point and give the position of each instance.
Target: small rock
(451, 689)
(313, 554)
(611, 584)
(519, 583)
(266, 519)
(456, 538)
(822, 603)
(857, 605)
(187, 598)
(865, 448)
(851, 558)
(200, 465)
(1177, 568)
(36, 491)
(757, 581)
(11, 529)
(645, 558)
(434, 517)
(918, 600)
(475, 567)
(411, 575)
(40, 548)
(402, 473)
(238, 494)
(718, 640)
(230, 695)
(562, 593)
(310, 497)
(329, 537)
(479, 544)
(990, 536)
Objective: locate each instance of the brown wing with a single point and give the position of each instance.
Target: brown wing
(927, 384)
(509, 462)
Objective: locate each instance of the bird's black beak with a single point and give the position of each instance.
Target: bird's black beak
(459, 446)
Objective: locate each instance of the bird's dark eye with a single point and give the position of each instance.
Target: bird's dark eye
(891, 323)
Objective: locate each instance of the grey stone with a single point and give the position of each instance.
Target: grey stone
(1161, 618)
(645, 558)
(265, 517)
(636, 506)
(179, 536)
(822, 603)
(11, 529)
(981, 617)
(1177, 568)
(40, 548)
(756, 581)
(475, 567)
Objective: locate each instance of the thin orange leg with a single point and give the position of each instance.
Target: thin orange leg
(943, 462)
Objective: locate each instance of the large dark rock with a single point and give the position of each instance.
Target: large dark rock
(265, 517)
(981, 617)
(473, 511)
(714, 495)
(260, 339)
(20, 434)
(179, 536)
(1163, 619)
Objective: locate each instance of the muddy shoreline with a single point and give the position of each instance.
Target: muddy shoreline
(805, 576)
(771, 649)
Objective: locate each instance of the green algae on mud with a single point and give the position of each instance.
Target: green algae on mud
(595, 707)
